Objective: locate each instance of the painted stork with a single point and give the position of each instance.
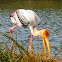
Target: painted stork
(28, 18)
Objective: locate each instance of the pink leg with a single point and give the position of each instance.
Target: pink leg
(11, 32)
(31, 41)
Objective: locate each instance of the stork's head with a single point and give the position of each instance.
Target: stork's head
(45, 35)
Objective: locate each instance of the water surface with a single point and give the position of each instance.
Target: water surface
(50, 13)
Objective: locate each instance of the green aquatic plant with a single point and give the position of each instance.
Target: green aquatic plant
(18, 45)
(4, 56)
(7, 54)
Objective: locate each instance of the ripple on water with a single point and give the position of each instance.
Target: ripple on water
(51, 18)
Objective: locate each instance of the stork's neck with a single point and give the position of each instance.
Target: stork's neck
(34, 31)
(37, 32)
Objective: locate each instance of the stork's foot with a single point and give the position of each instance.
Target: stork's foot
(47, 55)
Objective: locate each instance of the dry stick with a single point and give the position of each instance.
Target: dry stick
(18, 45)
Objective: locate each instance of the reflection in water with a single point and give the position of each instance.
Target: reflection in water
(50, 13)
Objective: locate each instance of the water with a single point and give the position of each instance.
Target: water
(50, 13)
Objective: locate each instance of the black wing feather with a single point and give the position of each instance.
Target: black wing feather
(23, 20)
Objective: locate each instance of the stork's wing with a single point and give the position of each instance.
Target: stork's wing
(28, 18)
(22, 19)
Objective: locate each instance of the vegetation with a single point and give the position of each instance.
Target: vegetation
(9, 54)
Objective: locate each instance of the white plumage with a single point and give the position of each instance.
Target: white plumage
(26, 16)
